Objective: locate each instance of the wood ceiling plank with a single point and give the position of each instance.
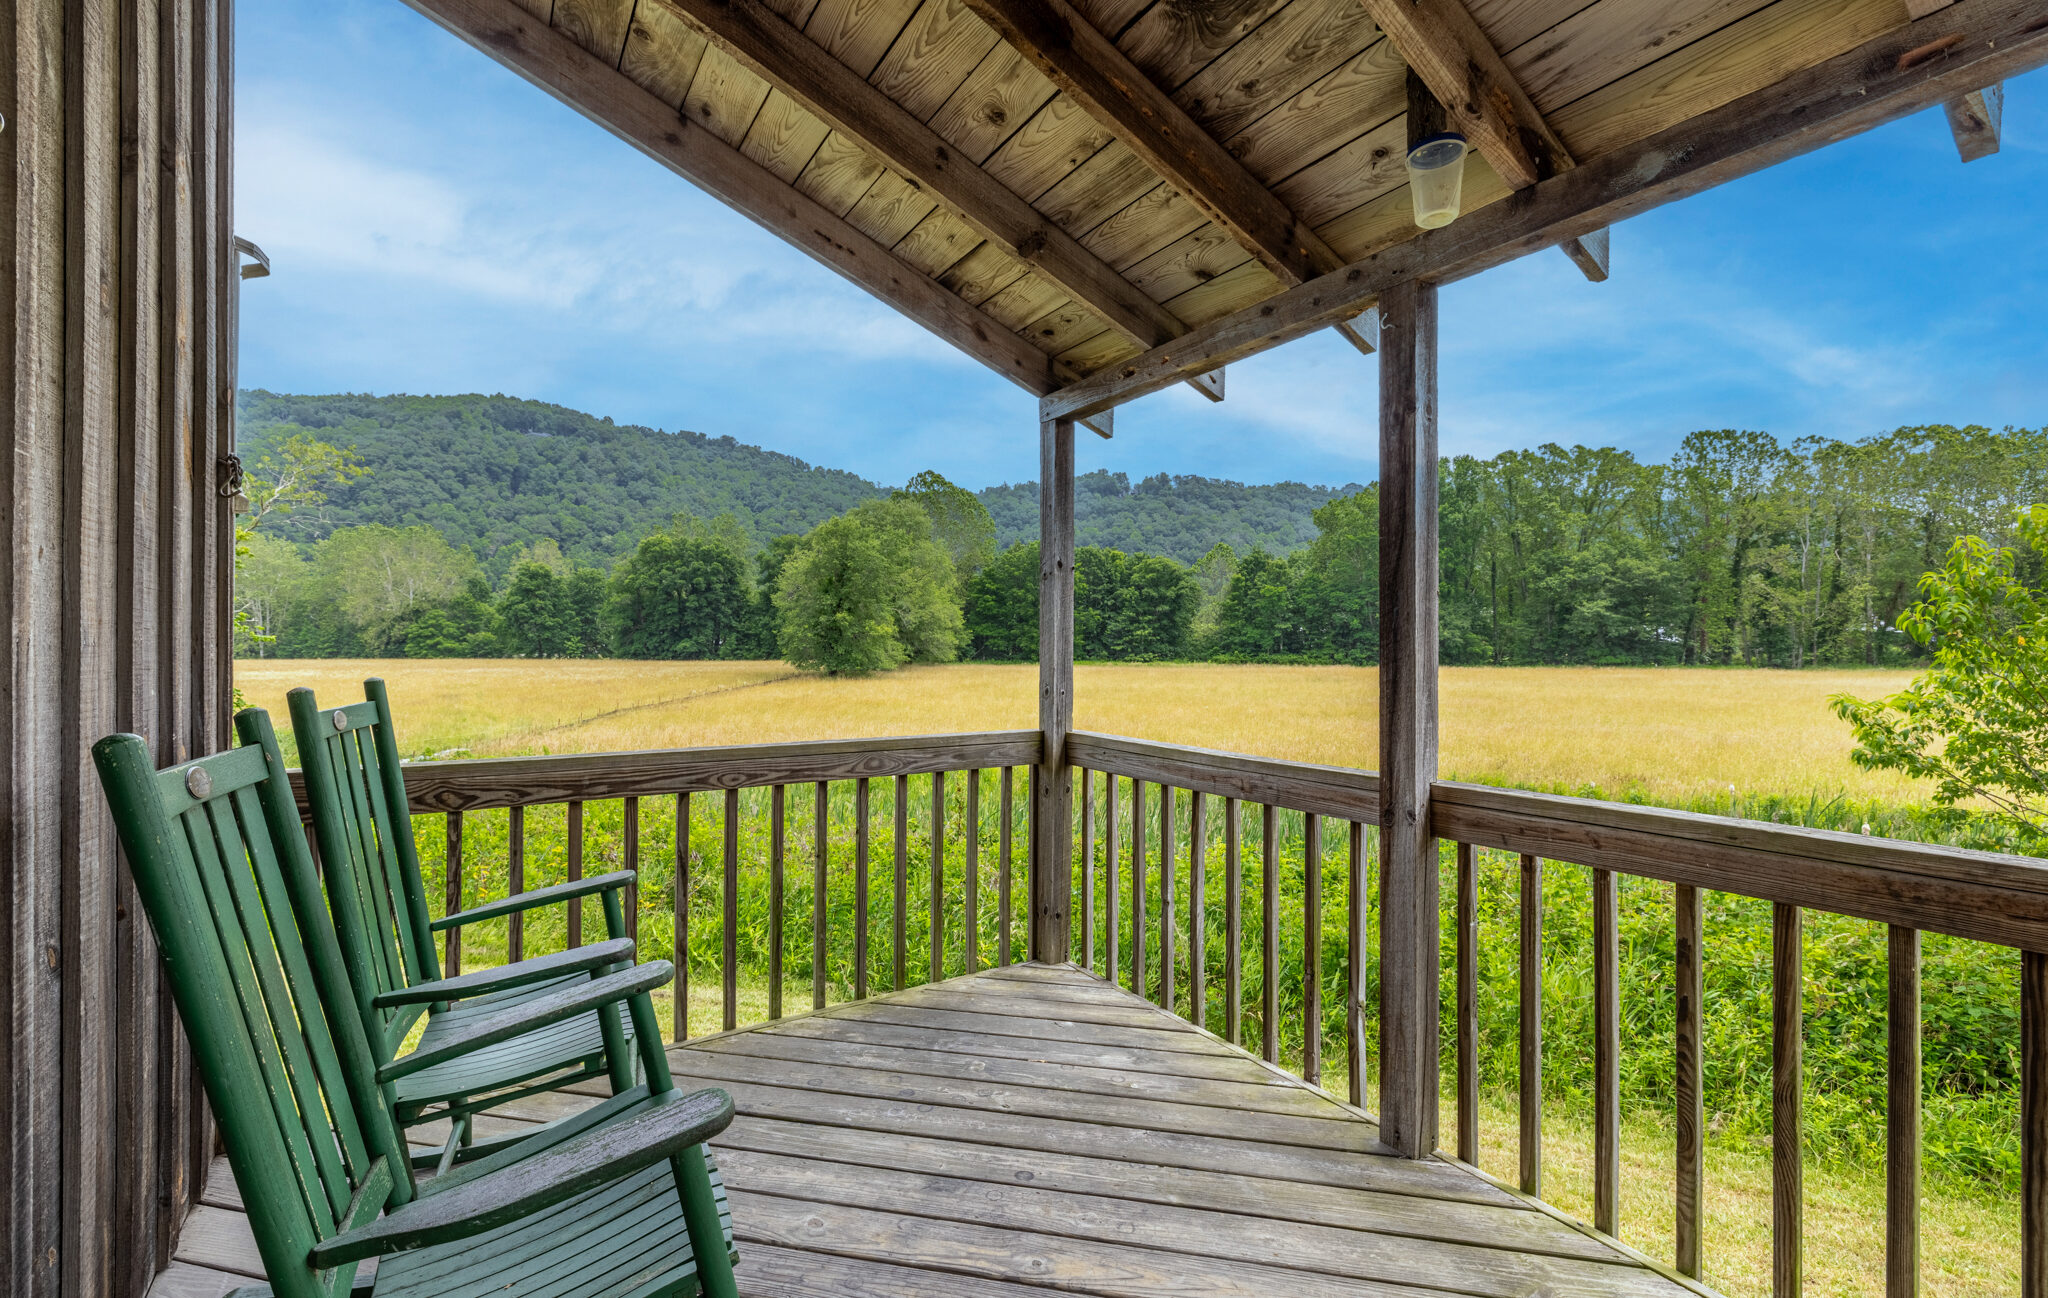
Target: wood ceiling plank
(1095, 74)
(1300, 46)
(1062, 327)
(983, 273)
(1000, 95)
(1097, 189)
(1058, 138)
(890, 209)
(1770, 45)
(809, 76)
(1023, 300)
(937, 243)
(1368, 91)
(1188, 262)
(725, 97)
(1887, 77)
(784, 138)
(1172, 42)
(1509, 24)
(1446, 48)
(858, 32)
(932, 58)
(1361, 171)
(839, 173)
(1607, 42)
(1389, 219)
(1114, 17)
(551, 60)
(1154, 220)
(662, 54)
(1092, 354)
(1228, 292)
(597, 25)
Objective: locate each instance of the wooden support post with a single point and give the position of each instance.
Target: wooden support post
(1408, 748)
(1052, 865)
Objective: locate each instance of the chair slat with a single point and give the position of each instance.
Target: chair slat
(373, 910)
(412, 937)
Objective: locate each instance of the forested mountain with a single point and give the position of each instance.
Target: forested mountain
(496, 474)
(1178, 516)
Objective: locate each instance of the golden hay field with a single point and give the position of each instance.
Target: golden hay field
(1673, 734)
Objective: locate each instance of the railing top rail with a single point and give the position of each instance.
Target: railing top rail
(480, 783)
(1988, 896)
(1342, 791)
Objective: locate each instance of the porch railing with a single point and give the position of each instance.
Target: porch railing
(1146, 812)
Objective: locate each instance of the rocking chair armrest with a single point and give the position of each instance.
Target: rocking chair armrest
(504, 977)
(539, 1012)
(520, 902)
(660, 1127)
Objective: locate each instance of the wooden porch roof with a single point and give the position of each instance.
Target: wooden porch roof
(1056, 186)
(1033, 1128)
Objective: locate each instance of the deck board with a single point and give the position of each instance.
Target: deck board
(1032, 1129)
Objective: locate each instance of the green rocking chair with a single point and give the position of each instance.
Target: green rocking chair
(364, 828)
(619, 1201)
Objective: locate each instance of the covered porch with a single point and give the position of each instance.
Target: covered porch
(1034, 1127)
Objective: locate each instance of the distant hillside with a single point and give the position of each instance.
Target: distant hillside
(496, 473)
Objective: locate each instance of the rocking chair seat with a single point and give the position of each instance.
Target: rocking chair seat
(572, 1042)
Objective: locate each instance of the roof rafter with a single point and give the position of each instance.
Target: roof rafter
(553, 61)
(1903, 71)
(776, 51)
(1089, 69)
(1973, 118)
(1442, 44)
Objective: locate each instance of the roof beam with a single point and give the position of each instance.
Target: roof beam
(1089, 69)
(780, 54)
(554, 62)
(1443, 45)
(1902, 72)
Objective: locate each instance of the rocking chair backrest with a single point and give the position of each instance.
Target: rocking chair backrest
(222, 870)
(360, 819)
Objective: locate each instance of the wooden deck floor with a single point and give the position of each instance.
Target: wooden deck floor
(1033, 1128)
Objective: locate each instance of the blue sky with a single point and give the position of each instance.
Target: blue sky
(438, 225)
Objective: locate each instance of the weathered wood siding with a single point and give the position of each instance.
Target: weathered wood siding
(115, 264)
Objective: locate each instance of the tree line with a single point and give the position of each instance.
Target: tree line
(1740, 550)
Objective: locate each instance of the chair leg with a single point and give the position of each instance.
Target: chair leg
(700, 1218)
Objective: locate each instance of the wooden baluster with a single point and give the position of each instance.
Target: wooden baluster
(1112, 833)
(1606, 1055)
(776, 799)
(2033, 1124)
(1902, 1116)
(1692, 1117)
(1233, 921)
(515, 882)
(1354, 993)
(1532, 1027)
(1312, 948)
(681, 950)
(902, 878)
(1138, 864)
(632, 864)
(1087, 868)
(1788, 1198)
(451, 957)
(1269, 919)
(821, 897)
(1005, 848)
(575, 872)
(860, 889)
(1198, 908)
(731, 972)
(1468, 1003)
(970, 917)
(936, 970)
(1167, 915)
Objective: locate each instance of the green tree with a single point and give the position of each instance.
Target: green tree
(585, 594)
(270, 582)
(533, 612)
(462, 626)
(960, 522)
(678, 595)
(1254, 619)
(1976, 723)
(378, 578)
(869, 591)
(1000, 609)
